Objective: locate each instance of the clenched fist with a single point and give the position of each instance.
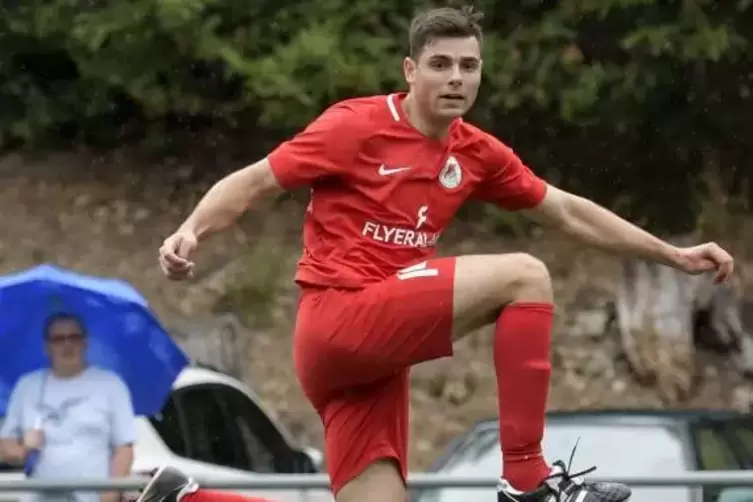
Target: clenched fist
(175, 253)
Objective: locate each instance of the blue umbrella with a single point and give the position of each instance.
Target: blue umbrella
(124, 336)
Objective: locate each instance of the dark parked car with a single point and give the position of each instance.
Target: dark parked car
(620, 443)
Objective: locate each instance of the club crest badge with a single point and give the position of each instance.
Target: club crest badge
(451, 174)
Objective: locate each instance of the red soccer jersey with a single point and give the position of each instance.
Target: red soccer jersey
(383, 192)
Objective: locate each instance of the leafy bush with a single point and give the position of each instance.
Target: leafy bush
(608, 96)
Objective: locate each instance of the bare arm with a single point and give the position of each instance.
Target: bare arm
(230, 197)
(220, 208)
(324, 149)
(599, 227)
(120, 467)
(14, 443)
(122, 460)
(12, 451)
(122, 434)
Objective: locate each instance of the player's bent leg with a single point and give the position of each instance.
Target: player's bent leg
(515, 291)
(347, 339)
(484, 284)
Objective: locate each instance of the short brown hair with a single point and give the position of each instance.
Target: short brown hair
(444, 22)
(57, 317)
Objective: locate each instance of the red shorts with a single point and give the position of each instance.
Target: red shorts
(353, 351)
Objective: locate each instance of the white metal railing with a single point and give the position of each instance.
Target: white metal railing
(424, 481)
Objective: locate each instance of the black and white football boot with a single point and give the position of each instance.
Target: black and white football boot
(563, 486)
(168, 484)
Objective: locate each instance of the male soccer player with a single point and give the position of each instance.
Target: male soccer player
(387, 174)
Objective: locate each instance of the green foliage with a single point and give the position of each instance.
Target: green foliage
(610, 96)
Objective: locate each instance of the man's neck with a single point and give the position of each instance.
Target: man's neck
(420, 121)
(67, 371)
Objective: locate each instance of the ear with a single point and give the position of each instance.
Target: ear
(409, 70)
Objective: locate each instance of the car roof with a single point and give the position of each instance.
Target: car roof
(201, 374)
(673, 415)
(627, 416)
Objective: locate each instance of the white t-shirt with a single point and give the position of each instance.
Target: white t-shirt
(83, 419)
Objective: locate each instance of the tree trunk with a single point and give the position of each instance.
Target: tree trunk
(220, 341)
(662, 313)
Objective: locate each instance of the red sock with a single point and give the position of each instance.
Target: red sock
(521, 359)
(201, 495)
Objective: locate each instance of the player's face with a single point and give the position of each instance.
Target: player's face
(445, 78)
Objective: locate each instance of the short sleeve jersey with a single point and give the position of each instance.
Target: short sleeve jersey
(382, 192)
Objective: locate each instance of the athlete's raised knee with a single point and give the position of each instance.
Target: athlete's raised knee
(526, 279)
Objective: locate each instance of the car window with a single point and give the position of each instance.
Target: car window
(257, 434)
(168, 425)
(714, 452)
(729, 447)
(211, 434)
(741, 494)
(745, 435)
(473, 447)
(741, 434)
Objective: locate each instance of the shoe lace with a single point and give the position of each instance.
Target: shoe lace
(575, 478)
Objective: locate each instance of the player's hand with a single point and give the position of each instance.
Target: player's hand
(175, 253)
(706, 258)
(33, 439)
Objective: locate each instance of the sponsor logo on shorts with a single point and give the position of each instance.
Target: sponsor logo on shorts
(398, 236)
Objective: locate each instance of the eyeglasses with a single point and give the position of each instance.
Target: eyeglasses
(59, 338)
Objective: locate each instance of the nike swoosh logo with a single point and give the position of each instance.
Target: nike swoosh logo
(383, 171)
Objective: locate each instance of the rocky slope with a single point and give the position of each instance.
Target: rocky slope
(108, 216)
